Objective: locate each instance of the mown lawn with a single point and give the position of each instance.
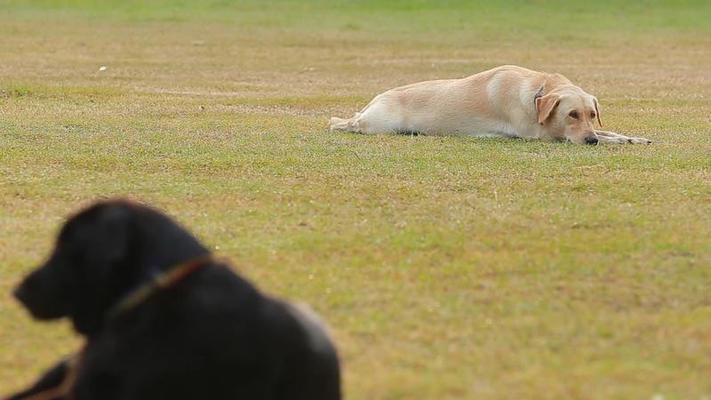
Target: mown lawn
(447, 267)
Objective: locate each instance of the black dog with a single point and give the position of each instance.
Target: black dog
(165, 320)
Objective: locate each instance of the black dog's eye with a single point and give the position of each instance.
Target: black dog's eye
(574, 115)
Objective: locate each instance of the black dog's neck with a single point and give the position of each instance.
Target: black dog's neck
(154, 247)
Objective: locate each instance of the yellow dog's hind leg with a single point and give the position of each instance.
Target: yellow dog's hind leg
(345, 125)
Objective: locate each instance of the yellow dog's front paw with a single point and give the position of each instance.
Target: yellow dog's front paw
(638, 140)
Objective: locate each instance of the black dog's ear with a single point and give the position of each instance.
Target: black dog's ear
(107, 259)
(100, 240)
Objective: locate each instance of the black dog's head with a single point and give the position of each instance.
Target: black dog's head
(102, 253)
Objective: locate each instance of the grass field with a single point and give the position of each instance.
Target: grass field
(447, 267)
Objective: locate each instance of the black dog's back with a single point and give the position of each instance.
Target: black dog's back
(213, 336)
(312, 366)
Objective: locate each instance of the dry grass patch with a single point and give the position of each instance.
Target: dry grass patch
(448, 267)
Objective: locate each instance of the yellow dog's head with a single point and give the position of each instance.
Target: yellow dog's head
(567, 112)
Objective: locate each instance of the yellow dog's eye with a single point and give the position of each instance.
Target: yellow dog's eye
(592, 115)
(574, 114)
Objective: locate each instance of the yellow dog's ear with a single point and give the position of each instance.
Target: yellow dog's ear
(545, 105)
(597, 111)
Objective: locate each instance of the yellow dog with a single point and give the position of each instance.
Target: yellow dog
(505, 101)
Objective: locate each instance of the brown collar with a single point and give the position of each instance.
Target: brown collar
(159, 282)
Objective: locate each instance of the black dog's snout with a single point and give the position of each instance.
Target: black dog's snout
(591, 140)
(24, 290)
(19, 293)
(40, 295)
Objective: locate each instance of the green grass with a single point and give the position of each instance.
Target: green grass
(447, 267)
